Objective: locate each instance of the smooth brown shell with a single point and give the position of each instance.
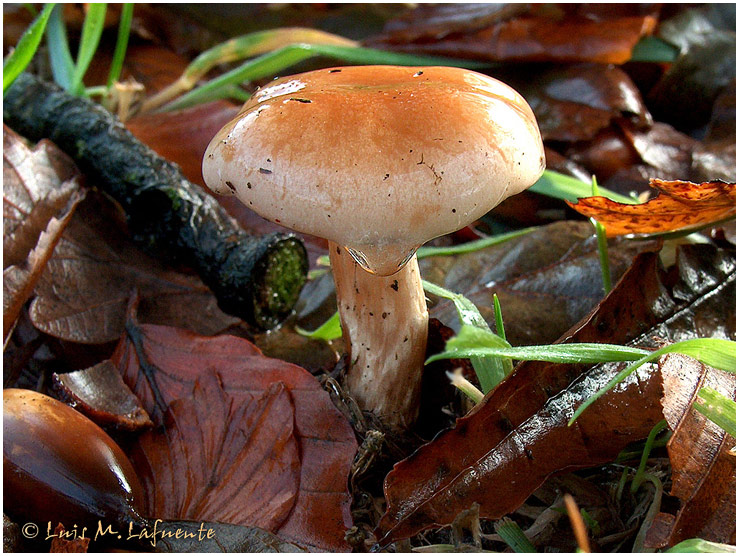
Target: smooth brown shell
(59, 466)
(379, 159)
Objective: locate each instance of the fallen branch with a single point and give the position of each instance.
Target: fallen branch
(255, 278)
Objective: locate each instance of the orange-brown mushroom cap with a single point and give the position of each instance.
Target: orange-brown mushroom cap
(379, 159)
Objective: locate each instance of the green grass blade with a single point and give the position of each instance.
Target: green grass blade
(699, 545)
(60, 58)
(499, 328)
(490, 371)
(459, 348)
(718, 408)
(567, 188)
(468, 313)
(329, 330)
(92, 30)
(513, 536)
(256, 44)
(600, 234)
(471, 246)
(653, 49)
(649, 444)
(19, 59)
(713, 352)
(121, 45)
(275, 62)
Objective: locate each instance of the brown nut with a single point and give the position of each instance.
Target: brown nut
(60, 467)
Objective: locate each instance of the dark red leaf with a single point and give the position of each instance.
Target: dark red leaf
(518, 435)
(100, 394)
(703, 466)
(175, 359)
(222, 458)
(546, 33)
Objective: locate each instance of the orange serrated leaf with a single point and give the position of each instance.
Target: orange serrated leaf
(680, 205)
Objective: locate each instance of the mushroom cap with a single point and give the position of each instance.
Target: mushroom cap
(379, 159)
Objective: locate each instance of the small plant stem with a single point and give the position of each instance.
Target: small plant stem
(578, 525)
(650, 515)
(465, 386)
(639, 477)
(124, 31)
(600, 233)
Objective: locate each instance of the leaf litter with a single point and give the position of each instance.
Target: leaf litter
(618, 144)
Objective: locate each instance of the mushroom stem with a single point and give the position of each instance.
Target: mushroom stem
(385, 325)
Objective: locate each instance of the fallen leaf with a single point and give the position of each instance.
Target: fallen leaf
(222, 458)
(183, 136)
(175, 359)
(703, 467)
(575, 102)
(41, 189)
(679, 205)
(546, 280)
(575, 33)
(100, 394)
(83, 294)
(706, 65)
(518, 436)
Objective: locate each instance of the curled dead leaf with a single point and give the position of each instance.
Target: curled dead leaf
(100, 394)
(562, 33)
(680, 205)
(517, 437)
(703, 466)
(41, 190)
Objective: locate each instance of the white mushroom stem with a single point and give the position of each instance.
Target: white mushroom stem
(385, 326)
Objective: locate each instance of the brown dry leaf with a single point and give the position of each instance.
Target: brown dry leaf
(174, 359)
(557, 33)
(40, 192)
(518, 436)
(100, 394)
(574, 102)
(703, 467)
(183, 136)
(680, 205)
(546, 280)
(83, 295)
(219, 457)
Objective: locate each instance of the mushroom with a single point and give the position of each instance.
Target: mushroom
(378, 160)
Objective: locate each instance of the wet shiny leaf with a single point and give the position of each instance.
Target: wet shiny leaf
(162, 364)
(517, 437)
(680, 205)
(575, 102)
(100, 394)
